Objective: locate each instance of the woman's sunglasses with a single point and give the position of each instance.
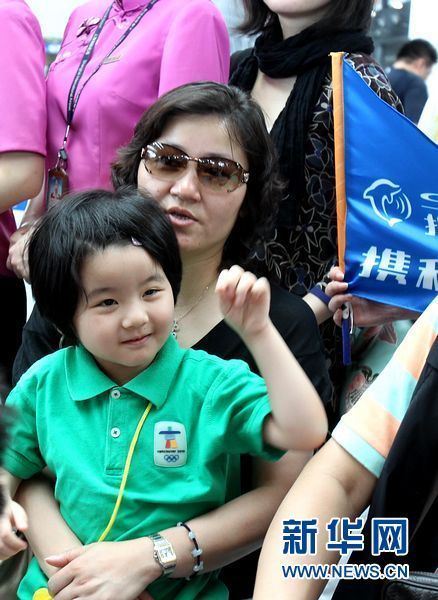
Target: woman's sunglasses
(216, 173)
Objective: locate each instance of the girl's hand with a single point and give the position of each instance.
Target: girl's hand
(104, 571)
(14, 519)
(244, 300)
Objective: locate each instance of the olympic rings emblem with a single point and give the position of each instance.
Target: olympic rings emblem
(171, 457)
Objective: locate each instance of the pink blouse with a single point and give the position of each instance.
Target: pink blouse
(176, 42)
(22, 97)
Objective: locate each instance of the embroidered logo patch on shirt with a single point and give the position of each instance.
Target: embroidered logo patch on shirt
(170, 444)
(110, 59)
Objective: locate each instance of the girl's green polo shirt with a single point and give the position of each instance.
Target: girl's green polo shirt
(74, 419)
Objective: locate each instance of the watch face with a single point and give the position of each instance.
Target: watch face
(166, 554)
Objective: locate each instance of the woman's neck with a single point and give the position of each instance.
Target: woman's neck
(197, 275)
(197, 310)
(292, 25)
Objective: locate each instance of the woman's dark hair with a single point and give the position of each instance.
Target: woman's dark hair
(245, 124)
(83, 224)
(340, 15)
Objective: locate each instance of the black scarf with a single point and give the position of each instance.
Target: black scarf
(305, 55)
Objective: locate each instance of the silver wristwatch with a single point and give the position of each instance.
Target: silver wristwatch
(164, 554)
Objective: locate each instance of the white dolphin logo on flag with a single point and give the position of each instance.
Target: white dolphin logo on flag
(388, 201)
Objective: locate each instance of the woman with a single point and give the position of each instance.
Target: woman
(22, 151)
(203, 153)
(288, 74)
(97, 93)
(370, 456)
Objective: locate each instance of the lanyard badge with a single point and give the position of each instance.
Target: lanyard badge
(57, 178)
(57, 185)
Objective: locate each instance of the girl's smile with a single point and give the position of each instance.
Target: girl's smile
(126, 311)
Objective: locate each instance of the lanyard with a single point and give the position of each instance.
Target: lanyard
(125, 472)
(74, 95)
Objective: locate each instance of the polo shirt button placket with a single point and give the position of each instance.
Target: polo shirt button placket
(115, 431)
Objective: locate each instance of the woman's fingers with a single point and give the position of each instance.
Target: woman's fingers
(337, 301)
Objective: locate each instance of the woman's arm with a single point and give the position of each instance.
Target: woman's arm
(225, 534)
(246, 519)
(333, 484)
(22, 106)
(21, 177)
(47, 532)
(320, 309)
(238, 528)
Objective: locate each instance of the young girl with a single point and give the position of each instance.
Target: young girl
(126, 414)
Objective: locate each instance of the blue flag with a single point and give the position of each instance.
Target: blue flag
(391, 185)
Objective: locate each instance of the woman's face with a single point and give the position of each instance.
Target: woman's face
(297, 8)
(201, 217)
(297, 15)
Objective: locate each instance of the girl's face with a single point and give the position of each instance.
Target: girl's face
(126, 313)
(202, 217)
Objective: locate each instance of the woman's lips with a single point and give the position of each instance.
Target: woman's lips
(180, 216)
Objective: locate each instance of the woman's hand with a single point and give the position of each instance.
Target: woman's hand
(105, 571)
(366, 313)
(13, 519)
(337, 290)
(244, 300)
(17, 260)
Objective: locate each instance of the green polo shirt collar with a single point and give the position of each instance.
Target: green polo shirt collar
(85, 380)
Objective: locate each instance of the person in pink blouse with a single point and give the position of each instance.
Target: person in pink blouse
(22, 151)
(142, 49)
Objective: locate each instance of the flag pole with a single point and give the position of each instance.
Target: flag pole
(338, 116)
(341, 197)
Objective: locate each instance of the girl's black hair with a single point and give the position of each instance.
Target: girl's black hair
(245, 123)
(340, 15)
(87, 222)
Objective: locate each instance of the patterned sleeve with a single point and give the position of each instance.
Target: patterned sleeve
(374, 76)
